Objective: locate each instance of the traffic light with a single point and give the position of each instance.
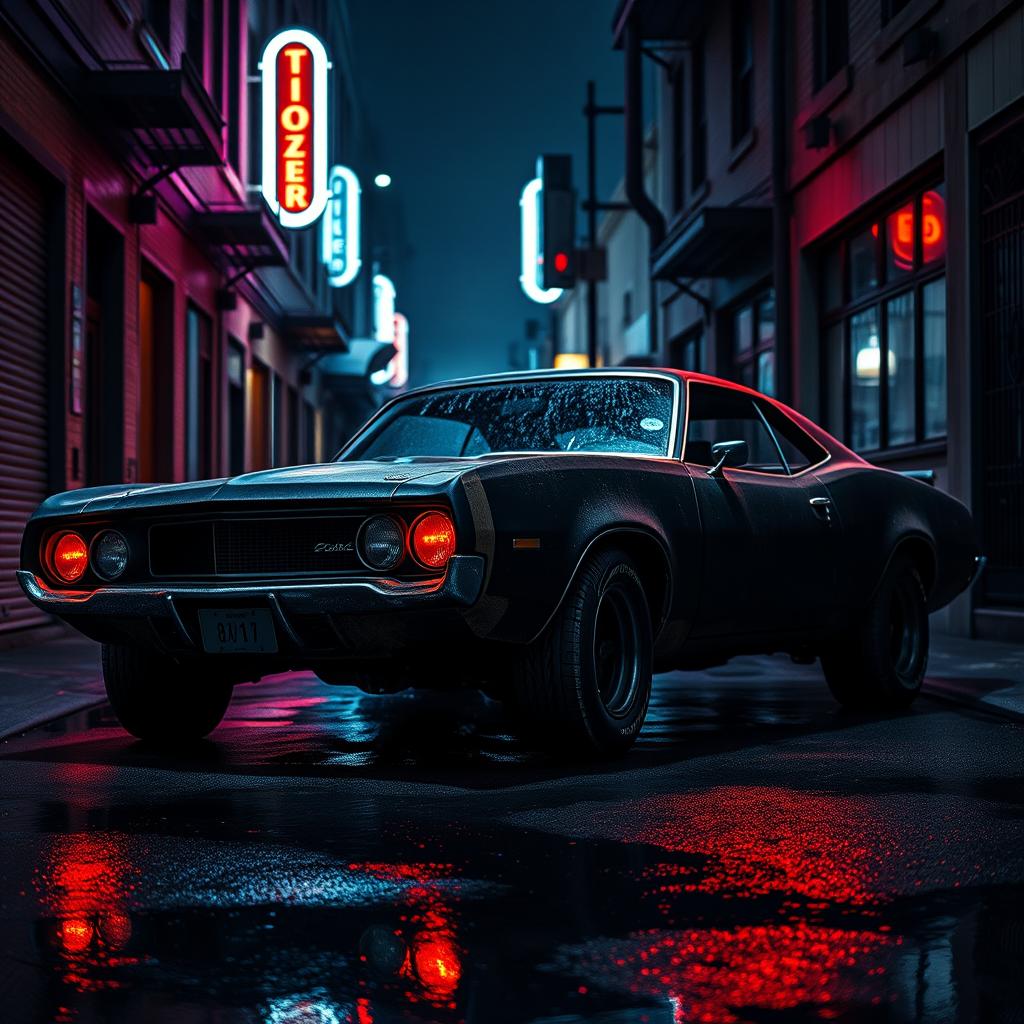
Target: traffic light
(557, 249)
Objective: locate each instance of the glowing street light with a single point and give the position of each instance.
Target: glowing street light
(382, 180)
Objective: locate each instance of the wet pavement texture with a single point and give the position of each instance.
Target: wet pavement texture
(331, 857)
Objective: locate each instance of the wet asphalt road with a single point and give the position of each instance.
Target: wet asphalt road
(330, 857)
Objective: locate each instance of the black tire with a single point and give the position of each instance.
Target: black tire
(157, 699)
(586, 683)
(879, 664)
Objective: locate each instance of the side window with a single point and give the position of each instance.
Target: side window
(798, 447)
(721, 414)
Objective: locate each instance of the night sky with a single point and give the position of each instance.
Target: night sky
(462, 96)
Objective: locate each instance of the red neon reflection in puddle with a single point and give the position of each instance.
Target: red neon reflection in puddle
(769, 839)
(710, 975)
(821, 851)
(85, 884)
(433, 959)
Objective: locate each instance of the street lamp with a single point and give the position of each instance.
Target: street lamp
(382, 180)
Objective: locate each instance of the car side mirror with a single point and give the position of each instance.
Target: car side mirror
(728, 453)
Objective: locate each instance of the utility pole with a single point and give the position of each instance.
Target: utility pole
(590, 266)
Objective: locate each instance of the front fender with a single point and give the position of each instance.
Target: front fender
(536, 525)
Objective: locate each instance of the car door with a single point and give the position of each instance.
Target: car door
(769, 533)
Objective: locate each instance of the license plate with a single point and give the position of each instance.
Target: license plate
(240, 631)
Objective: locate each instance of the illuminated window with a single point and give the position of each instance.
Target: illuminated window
(883, 323)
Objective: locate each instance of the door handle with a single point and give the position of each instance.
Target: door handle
(822, 508)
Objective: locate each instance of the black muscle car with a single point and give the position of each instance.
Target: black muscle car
(551, 538)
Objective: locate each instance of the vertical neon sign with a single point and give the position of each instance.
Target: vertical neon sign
(341, 227)
(293, 75)
(529, 206)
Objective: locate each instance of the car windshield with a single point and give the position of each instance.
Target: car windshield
(625, 415)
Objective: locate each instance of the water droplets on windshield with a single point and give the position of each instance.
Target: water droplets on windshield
(630, 415)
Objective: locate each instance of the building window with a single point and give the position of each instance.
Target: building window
(677, 111)
(199, 380)
(883, 298)
(157, 14)
(698, 118)
(890, 8)
(217, 54)
(277, 420)
(235, 85)
(195, 37)
(742, 70)
(753, 342)
(831, 39)
(687, 351)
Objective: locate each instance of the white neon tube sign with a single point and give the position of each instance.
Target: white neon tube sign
(384, 295)
(529, 206)
(295, 158)
(341, 227)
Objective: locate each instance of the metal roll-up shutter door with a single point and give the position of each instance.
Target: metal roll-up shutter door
(23, 417)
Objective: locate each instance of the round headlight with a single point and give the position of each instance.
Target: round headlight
(382, 542)
(109, 555)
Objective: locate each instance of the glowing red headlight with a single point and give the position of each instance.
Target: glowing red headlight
(433, 540)
(69, 557)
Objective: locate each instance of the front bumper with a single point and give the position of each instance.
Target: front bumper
(350, 616)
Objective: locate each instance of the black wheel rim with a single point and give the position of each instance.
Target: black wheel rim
(905, 641)
(616, 651)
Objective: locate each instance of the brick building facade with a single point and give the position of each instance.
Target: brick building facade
(156, 324)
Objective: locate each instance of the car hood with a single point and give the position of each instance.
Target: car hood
(352, 481)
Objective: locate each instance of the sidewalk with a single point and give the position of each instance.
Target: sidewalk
(981, 673)
(44, 681)
(54, 678)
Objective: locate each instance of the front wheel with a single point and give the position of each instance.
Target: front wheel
(586, 684)
(879, 663)
(156, 699)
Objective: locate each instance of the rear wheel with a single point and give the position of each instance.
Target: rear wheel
(158, 699)
(586, 683)
(879, 663)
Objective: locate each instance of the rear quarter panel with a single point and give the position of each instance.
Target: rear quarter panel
(880, 510)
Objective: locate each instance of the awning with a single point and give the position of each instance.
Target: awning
(313, 332)
(717, 241)
(165, 115)
(248, 238)
(364, 356)
(659, 20)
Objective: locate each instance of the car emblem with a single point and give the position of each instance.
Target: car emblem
(329, 547)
